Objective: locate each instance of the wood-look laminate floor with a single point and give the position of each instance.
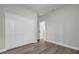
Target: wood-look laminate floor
(41, 48)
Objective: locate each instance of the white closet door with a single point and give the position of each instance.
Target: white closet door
(24, 31)
(10, 40)
(19, 30)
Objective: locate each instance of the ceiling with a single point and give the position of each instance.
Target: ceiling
(42, 9)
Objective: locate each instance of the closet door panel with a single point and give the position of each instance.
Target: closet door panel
(10, 41)
(19, 30)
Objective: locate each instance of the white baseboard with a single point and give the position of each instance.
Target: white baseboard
(2, 50)
(8, 48)
(65, 45)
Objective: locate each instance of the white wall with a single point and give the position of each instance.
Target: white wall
(19, 24)
(62, 25)
(2, 29)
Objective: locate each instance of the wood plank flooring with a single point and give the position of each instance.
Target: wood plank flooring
(41, 48)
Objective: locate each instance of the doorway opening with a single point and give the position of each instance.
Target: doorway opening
(42, 30)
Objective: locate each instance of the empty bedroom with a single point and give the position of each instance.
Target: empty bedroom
(39, 28)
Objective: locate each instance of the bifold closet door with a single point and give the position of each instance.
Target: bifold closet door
(19, 30)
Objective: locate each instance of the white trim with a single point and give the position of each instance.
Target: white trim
(2, 50)
(6, 48)
(65, 45)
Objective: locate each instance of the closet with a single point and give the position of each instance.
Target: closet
(20, 26)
